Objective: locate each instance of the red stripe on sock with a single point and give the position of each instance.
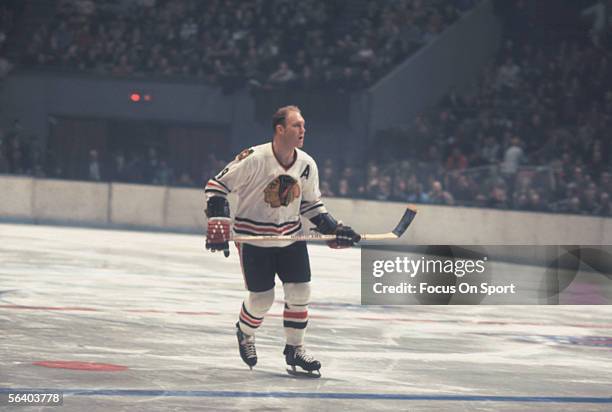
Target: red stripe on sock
(296, 315)
(249, 319)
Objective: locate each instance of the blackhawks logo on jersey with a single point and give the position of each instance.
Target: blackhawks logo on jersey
(281, 191)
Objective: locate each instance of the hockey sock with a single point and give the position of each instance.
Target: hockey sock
(295, 316)
(253, 310)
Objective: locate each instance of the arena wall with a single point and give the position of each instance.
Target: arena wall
(138, 205)
(185, 210)
(177, 209)
(16, 197)
(78, 202)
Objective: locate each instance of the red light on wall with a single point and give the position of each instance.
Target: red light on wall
(147, 98)
(135, 97)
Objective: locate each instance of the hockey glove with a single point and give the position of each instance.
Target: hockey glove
(218, 232)
(327, 225)
(345, 237)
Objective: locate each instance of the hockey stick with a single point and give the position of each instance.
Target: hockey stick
(396, 233)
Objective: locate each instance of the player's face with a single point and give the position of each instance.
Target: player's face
(294, 130)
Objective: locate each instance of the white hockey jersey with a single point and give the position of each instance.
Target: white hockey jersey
(271, 198)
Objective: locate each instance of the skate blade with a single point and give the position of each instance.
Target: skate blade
(303, 374)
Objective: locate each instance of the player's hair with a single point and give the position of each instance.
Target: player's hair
(281, 115)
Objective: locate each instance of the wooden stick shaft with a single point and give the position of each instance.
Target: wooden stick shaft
(401, 227)
(310, 238)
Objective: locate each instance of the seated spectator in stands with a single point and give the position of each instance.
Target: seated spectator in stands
(379, 188)
(578, 177)
(536, 203)
(348, 81)
(521, 201)
(185, 180)
(123, 67)
(605, 182)
(384, 189)
(573, 205)
(348, 173)
(489, 153)
(464, 189)
(414, 190)
(508, 75)
(164, 174)
(306, 80)
(432, 155)
(456, 160)
(326, 189)
(282, 76)
(399, 191)
(589, 199)
(416, 194)
(344, 188)
(328, 173)
(604, 207)
(365, 79)
(498, 197)
(438, 195)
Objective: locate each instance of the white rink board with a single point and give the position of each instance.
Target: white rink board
(185, 209)
(163, 308)
(16, 197)
(138, 205)
(85, 202)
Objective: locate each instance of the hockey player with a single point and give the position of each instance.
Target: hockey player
(276, 183)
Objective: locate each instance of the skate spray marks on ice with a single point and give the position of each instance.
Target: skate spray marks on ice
(160, 306)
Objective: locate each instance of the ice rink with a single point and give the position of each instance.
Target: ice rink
(158, 311)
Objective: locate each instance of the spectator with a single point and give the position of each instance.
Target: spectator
(119, 172)
(94, 166)
(589, 201)
(282, 75)
(605, 205)
(344, 188)
(456, 160)
(536, 202)
(513, 157)
(498, 197)
(185, 180)
(439, 196)
(164, 175)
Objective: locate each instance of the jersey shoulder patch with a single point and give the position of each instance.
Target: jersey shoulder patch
(245, 153)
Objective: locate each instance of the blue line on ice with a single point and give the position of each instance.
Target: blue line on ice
(312, 395)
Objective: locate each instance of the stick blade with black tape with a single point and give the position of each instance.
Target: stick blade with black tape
(401, 227)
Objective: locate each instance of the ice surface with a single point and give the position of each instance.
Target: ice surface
(164, 307)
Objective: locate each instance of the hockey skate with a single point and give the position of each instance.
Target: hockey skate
(300, 363)
(246, 346)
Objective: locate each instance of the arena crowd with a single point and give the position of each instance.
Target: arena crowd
(531, 134)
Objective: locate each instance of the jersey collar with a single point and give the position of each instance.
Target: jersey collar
(290, 165)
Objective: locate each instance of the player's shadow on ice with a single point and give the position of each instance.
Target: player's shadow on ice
(259, 373)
